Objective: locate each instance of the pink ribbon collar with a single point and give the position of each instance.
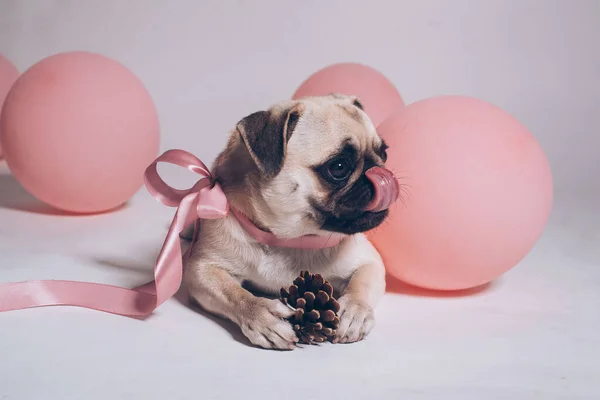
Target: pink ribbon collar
(205, 200)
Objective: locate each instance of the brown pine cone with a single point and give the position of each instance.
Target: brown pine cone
(316, 319)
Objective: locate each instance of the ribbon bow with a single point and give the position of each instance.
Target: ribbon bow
(204, 200)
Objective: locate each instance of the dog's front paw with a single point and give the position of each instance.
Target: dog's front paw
(263, 323)
(356, 320)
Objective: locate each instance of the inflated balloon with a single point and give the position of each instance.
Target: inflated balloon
(377, 94)
(476, 193)
(79, 129)
(8, 75)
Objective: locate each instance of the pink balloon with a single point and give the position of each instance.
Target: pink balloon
(79, 129)
(8, 76)
(377, 94)
(476, 193)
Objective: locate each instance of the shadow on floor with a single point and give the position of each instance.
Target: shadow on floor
(398, 287)
(13, 196)
(182, 297)
(131, 265)
(393, 286)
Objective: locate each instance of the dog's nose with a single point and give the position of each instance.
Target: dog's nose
(386, 188)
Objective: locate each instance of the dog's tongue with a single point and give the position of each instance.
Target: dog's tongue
(386, 188)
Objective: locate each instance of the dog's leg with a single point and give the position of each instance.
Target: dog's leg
(260, 319)
(358, 301)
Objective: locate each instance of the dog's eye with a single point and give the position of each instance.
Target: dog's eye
(339, 169)
(383, 151)
(384, 156)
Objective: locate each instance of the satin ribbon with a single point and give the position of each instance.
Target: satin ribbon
(204, 200)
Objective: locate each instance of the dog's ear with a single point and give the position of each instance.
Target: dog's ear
(357, 103)
(266, 133)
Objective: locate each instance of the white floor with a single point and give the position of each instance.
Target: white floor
(534, 334)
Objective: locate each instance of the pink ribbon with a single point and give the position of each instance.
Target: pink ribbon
(204, 200)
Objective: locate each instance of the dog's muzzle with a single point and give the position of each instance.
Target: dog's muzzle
(386, 187)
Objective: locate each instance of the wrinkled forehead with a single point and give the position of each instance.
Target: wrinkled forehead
(324, 130)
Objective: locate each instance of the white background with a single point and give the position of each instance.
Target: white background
(534, 334)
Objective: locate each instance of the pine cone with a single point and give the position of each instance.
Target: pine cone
(316, 319)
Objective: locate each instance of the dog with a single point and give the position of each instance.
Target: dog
(296, 171)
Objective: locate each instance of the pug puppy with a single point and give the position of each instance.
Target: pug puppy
(297, 170)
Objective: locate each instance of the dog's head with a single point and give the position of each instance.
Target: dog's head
(301, 166)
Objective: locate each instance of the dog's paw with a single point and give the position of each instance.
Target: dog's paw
(263, 323)
(356, 320)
